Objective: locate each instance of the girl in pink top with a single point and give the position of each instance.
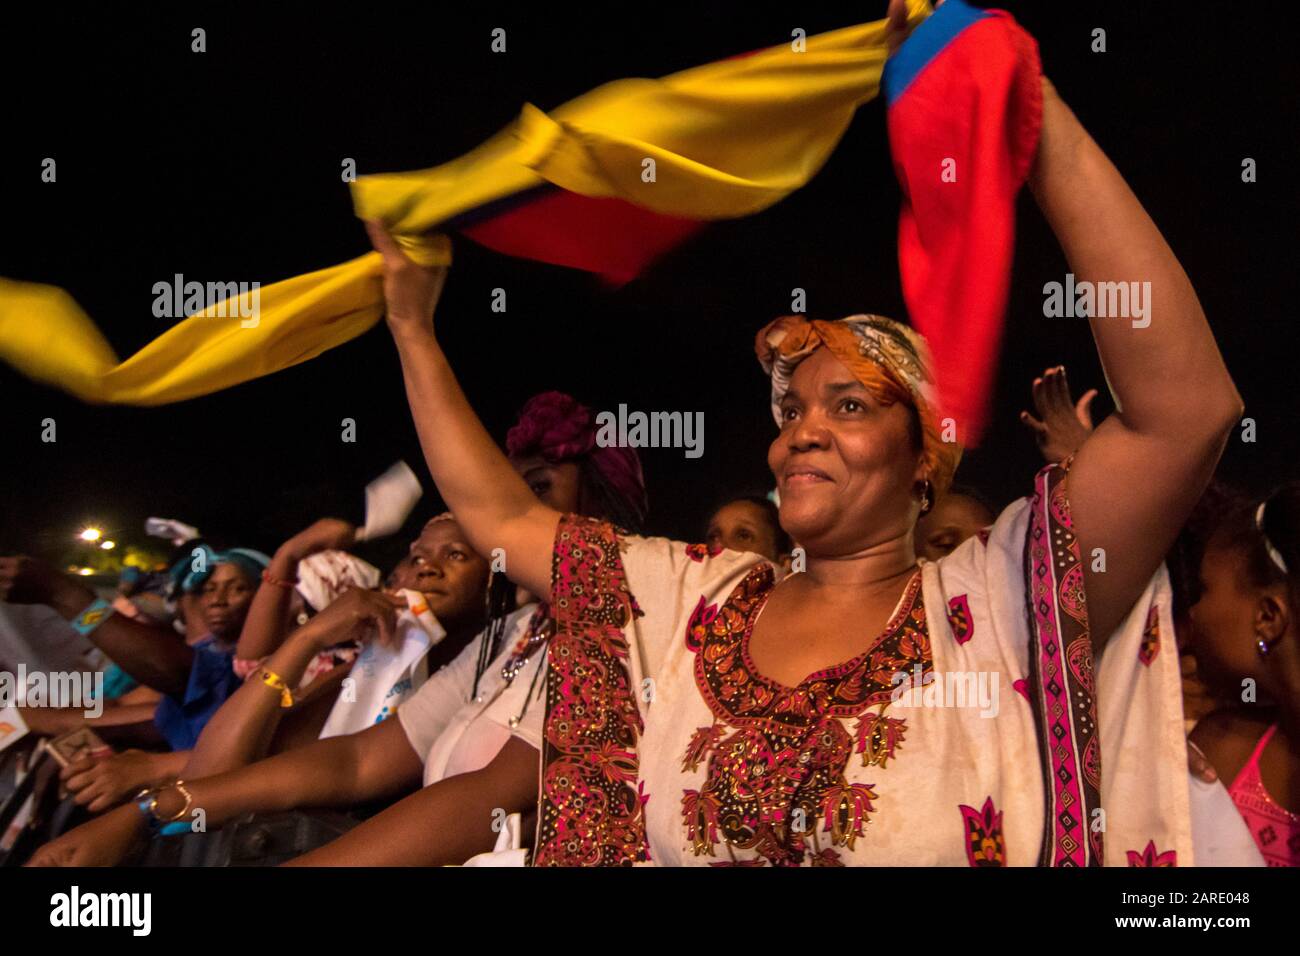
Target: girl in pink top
(1247, 642)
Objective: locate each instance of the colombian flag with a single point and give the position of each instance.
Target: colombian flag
(605, 183)
(964, 107)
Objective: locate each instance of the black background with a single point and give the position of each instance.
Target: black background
(369, 904)
(226, 166)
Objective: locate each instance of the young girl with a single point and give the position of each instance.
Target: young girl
(1247, 644)
(748, 523)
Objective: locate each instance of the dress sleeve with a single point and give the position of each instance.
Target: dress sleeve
(618, 603)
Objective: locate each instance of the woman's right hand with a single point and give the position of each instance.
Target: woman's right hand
(1065, 424)
(104, 841)
(357, 614)
(411, 291)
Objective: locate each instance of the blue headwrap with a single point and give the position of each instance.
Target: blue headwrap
(186, 578)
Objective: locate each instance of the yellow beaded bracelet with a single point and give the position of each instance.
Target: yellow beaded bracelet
(276, 683)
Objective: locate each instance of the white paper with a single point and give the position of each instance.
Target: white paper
(382, 677)
(177, 532)
(389, 500)
(12, 727)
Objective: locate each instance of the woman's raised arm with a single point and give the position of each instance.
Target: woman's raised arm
(491, 502)
(1137, 477)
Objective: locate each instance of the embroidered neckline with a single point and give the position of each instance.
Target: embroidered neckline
(738, 694)
(776, 756)
(896, 621)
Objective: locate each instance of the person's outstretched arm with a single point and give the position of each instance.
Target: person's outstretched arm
(154, 656)
(337, 772)
(443, 824)
(52, 721)
(491, 502)
(1135, 480)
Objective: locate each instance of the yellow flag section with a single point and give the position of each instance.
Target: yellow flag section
(727, 139)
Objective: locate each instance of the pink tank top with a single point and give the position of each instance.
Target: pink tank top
(1276, 830)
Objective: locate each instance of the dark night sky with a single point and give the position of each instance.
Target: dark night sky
(225, 166)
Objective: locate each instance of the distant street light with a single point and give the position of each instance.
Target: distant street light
(108, 545)
(91, 534)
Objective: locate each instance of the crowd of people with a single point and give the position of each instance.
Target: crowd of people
(873, 666)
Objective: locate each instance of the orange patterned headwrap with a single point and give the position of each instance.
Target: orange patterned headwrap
(888, 358)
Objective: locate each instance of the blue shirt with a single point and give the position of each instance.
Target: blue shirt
(212, 680)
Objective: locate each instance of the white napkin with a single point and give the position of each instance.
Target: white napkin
(382, 677)
(389, 500)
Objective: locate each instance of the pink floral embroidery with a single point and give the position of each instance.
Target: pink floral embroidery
(878, 737)
(845, 807)
(777, 755)
(615, 763)
(698, 625)
(960, 618)
(984, 843)
(704, 740)
(698, 552)
(589, 812)
(700, 811)
(1152, 857)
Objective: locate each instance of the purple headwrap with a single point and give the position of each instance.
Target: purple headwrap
(559, 428)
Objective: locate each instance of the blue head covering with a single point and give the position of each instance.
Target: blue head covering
(187, 578)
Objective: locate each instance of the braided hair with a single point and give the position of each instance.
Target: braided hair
(500, 605)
